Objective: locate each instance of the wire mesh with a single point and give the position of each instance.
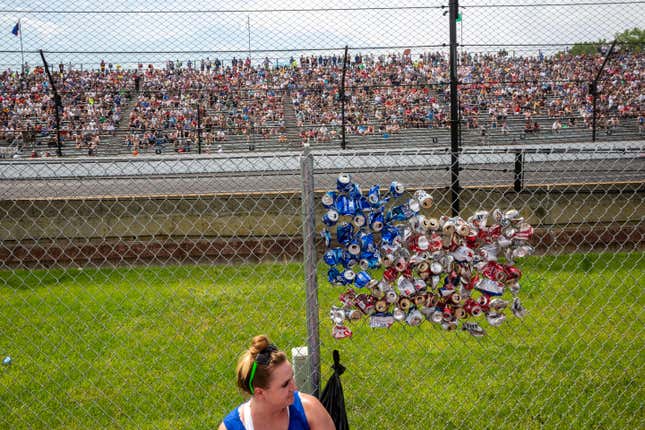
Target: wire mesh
(137, 265)
(579, 206)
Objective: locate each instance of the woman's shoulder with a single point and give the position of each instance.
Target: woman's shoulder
(308, 399)
(317, 416)
(232, 421)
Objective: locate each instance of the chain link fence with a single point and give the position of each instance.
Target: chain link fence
(169, 280)
(157, 208)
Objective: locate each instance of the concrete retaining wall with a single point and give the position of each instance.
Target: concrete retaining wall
(227, 228)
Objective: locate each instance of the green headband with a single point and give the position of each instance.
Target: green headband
(264, 358)
(253, 369)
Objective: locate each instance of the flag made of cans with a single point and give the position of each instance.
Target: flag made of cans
(447, 270)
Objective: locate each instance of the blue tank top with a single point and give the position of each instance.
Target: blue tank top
(297, 417)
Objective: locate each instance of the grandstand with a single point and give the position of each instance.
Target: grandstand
(392, 101)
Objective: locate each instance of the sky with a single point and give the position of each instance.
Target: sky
(153, 31)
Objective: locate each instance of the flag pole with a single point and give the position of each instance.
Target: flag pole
(22, 51)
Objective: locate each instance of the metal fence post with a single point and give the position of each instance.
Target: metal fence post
(310, 260)
(455, 188)
(343, 142)
(58, 104)
(593, 88)
(518, 175)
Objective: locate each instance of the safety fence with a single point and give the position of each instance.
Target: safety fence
(129, 289)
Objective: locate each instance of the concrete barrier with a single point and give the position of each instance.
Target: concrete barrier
(225, 228)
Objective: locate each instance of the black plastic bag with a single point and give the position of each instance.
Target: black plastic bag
(332, 396)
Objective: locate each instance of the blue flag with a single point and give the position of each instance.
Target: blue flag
(16, 29)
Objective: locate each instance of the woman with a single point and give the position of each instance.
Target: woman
(264, 372)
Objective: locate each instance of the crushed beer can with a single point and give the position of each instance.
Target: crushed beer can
(341, 332)
(495, 319)
(333, 256)
(366, 241)
(463, 254)
(449, 325)
(326, 235)
(348, 260)
(396, 189)
(404, 304)
(405, 286)
(381, 320)
(479, 220)
(523, 232)
(354, 247)
(414, 318)
(365, 303)
(437, 316)
(345, 205)
(473, 328)
(419, 300)
(353, 314)
(329, 199)
(334, 276)
(359, 219)
(489, 287)
(432, 224)
(391, 296)
(331, 217)
(389, 233)
(369, 261)
(348, 275)
(517, 308)
(497, 304)
(376, 221)
(344, 182)
(363, 279)
(390, 274)
(398, 314)
(400, 264)
(337, 315)
(348, 298)
(354, 191)
(374, 196)
(424, 199)
(419, 243)
(381, 306)
(472, 308)
(400, 213)
(514, 287)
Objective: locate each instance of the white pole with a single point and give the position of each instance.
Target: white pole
(22, 51)
(248, 27)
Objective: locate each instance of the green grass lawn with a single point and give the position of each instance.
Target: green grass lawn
(156, 347)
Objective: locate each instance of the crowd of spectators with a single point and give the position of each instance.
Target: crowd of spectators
(178, 105)
(93, 104)
(387, 93)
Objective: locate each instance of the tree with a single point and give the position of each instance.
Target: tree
(588, 48)
(632, 40)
